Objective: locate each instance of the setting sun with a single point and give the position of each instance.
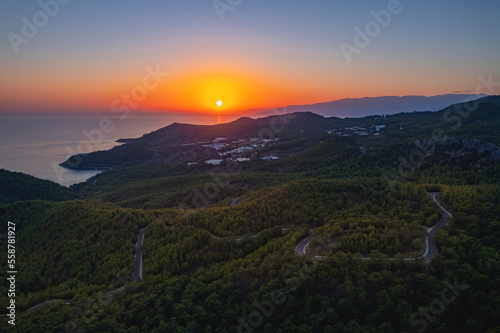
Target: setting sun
(208, 93)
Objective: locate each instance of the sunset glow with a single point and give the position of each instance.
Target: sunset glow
(203, 93)
(245, 61)
(250, 165)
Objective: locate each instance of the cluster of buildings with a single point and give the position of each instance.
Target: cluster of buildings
(357, 130)
(238, 150)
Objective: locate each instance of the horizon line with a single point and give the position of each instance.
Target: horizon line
(247, 111)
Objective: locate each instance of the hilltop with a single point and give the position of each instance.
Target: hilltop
(362, 107)
(16, 186)
(183, 143)
(307, 223)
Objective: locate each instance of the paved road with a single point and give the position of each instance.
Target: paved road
(430, 242)
(240, 238)
(137, 277)
(62, 301)
(302, 246)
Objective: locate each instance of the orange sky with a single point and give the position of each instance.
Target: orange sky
(94, 55)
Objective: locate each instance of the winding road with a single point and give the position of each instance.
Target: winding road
(137, 277)
(240, 238)
(38, 306)
(303, 244)
(301, 249)
(430, 242)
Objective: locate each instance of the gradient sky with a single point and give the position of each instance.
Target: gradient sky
(263, 54)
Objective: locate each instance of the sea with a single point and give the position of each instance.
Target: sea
(35, 143)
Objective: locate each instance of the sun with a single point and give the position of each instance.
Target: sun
(219, 103)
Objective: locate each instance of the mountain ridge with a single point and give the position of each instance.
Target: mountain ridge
(185, 143)
(366, 106)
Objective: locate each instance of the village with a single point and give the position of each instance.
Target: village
(241, 150)
(375, 130)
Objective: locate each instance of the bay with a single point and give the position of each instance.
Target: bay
(35, 143)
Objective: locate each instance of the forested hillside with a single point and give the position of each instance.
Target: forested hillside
(180, 143)
(198, 275)
(331, 235)
(16, 186)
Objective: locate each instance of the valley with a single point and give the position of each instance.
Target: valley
(353, 220)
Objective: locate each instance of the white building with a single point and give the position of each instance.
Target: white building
(214, 162)
(216, 146)
(269, 158)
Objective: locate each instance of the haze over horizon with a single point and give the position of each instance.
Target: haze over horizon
(250, 166)
(178, 56)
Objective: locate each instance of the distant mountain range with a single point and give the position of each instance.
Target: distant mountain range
(184, 143)
(361, 107)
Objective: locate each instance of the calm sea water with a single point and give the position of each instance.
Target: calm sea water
(35, 143)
